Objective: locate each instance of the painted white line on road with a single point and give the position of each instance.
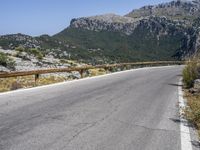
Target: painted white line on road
(79, 80)
(186, 143)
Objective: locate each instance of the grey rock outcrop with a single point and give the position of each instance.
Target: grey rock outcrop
(108, 22)
(4, 69)
(122, 24)
(197, 84)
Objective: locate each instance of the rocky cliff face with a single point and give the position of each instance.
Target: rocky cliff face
(108, 22)
(99, 23)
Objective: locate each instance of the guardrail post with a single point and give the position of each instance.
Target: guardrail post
(106, 69)
(123, 68)
(37, 76)
(81, 72)
(111, 69)
(127, 67)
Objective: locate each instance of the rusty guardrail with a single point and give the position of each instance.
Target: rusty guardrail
(84, 68)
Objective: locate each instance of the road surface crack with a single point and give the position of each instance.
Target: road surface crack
(82, 130)
(147, 128)
(92, 125)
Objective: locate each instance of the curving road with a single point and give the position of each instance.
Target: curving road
(131, 110)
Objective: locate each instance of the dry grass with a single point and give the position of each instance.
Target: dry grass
(97, 72)
(192, 112)
(27, 82)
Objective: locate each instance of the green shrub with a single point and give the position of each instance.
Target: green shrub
(37, 53)
(39, 56)
(3, 59)
(20, 49)
(6, 61)
(190, 73)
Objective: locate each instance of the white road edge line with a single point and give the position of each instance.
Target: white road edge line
(184, 129)
(78, 80)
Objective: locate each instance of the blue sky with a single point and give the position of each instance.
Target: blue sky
(36, 17)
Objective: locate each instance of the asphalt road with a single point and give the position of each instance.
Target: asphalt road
(132, 110)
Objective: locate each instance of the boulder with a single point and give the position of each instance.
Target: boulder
(197, 84)
(4, 69)
(194, 91)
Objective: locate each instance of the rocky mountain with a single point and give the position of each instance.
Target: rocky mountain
(176, 10)
(168, 31)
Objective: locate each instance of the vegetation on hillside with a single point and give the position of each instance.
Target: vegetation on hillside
(30, 51)
(6, 61)
(104, 46)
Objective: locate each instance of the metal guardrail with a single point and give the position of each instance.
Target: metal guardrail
(84, 68)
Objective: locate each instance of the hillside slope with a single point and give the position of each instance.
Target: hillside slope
(152, 38)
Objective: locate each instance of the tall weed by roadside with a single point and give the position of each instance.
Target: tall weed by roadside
(190, 73)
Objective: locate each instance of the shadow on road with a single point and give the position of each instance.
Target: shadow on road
(172, 84)
(196, 143)
(175, 120)
(179, 75)
(178, 121)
